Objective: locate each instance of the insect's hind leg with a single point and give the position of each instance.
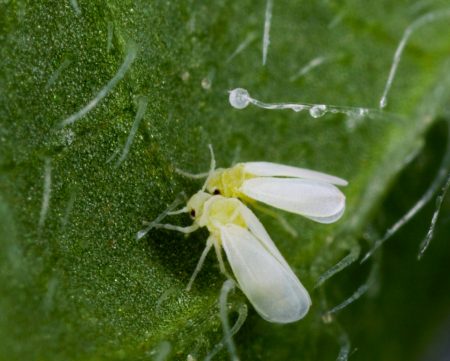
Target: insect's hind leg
(221, 262)
(283, 222)
(200, 262)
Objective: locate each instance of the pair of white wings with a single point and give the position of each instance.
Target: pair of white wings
(302, 191)
(262, 273)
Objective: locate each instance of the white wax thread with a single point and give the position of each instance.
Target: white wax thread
(426, 197)
(242, 46)
(242, 316)
(344, 351)
(228, 286)
(337, 19)
(163, 351)
(371, 281)
(48, 301)
(109, 37)
(266, 36)
(142, 107)
(355, 296)
(131, 54)
(240, 98)
(46, 193)
(112, 156)
(440, 199)
(57, 73)
(342, 264)
(314, 63)
(75, 7)
(164, 297)
(423, 20)
(68, 210)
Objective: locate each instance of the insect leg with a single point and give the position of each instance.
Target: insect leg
(171, 227)
(283, 222)
(222, 267)
(199, 266)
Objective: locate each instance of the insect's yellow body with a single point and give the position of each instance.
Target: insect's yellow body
(228, 181)
(297, 190)
(215, 211)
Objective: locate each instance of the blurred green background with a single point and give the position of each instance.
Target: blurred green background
(74, 282)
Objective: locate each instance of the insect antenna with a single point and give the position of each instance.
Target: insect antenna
(179, 211)
(164, 214)
(212, 166)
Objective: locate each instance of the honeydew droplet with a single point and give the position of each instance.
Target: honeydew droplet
(239, 98)
(318, 110)
(206, 83)
(363, 112)
(185, 76)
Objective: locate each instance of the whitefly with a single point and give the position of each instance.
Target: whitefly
(260, 270)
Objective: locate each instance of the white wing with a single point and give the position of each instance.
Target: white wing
(258, 230)
(266, 169)
(273, 290)
(322, 202)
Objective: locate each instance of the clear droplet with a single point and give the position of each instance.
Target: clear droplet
(239, 98)
(297, 108)
(358, 113)
(318, 110)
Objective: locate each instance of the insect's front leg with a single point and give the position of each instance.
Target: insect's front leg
(171, 227)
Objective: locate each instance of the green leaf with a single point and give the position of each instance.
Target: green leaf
(75, 284)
